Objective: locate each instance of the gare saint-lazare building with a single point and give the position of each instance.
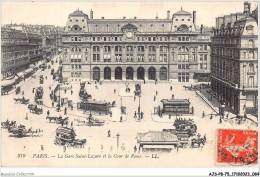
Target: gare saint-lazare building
(163, 49)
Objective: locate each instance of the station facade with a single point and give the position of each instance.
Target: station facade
(173, 48)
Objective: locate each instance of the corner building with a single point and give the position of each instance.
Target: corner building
(234, 61)
(135, 49)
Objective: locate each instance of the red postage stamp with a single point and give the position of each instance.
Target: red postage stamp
(237, 146)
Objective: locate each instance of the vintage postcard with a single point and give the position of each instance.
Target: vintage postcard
(129, 84)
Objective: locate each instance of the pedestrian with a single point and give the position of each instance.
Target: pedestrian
(50, 87)
(46, 77)
(142, 115)
(220, 120)
(42, 148)
(170, 88)
(135, 148)
(203, 114)
(121, 118)
(65, 111)
(134, 98)
(71, 107)
(114, 91)
(227, 115)
(211, 116)
(22, 92)
(71, 92)
(71, 124)
(108, 133)
(65, 91)
(52, 104)
(154, 98)
(48, 113)
(156, 92)
(172, 96)
(135, 115)
(169, 116)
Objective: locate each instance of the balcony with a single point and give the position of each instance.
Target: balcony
(251, 73)
(248, 46)
(253, 87)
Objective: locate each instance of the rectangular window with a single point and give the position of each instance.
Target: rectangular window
(105, 39)
(201, 57)
(179, 66)
(187, 66)
(205, 57)
(149, 38)
(115, 38)
(93, 38)
(179, 57)
(205, 47)
(179, 38)
(201, 47)
(201, 66)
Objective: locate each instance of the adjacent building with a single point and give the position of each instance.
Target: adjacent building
(24, 45)
(234, 61)
(171, 48)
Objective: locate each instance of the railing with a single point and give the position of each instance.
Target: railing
(250, 86)
(248, 46)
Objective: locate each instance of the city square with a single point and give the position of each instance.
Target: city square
(145, 88)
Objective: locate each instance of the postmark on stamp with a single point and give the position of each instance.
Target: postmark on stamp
(237, 147)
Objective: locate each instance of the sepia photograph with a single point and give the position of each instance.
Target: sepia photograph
(130, 84)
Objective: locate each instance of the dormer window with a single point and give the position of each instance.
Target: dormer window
(76, 20)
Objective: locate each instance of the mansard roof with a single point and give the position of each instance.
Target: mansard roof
(77, 13)
(141, 25)
(182, 12)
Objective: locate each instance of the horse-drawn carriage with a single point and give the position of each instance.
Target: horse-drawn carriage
(8, 124)
(91, 122)
(21, 100)
(5, 90)
(67, 137)
(58, 120)
(84, 95)
(38, 95)
(34, 109)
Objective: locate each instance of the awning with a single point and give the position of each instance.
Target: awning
(20, 74)
(5, 83)
(28, 71)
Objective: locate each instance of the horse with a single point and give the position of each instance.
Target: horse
(198, 141)
(51, 118)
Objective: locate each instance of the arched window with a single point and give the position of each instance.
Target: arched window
(251, 55)
(251, 43)
(251, 67)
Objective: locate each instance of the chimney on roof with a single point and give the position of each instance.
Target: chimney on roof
(124, 18)
(247, 7)
(194, 18)
(91, 14)
(168, 14)
(135, 18)
(201, 28)
(102, 18)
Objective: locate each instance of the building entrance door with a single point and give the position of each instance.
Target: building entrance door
(163, 73)
(107, 73)
(96, 74)
(118, 73)
(151, 73)
(129, 73)
(140, 73)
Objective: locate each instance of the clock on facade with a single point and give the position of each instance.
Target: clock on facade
(129, 35)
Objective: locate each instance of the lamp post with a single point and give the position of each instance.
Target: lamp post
(139, 108)
(117, 136)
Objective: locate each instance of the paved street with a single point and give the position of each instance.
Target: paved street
(97, 140)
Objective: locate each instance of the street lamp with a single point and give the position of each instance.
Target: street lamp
(139, 107)
(117, 135)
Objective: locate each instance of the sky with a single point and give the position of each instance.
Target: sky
(56, 13)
